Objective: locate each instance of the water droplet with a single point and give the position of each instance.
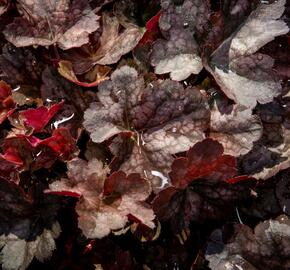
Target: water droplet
(239, 267)
(163, 178)
(142, 139)
(65, 119)
(16, 88)
(174, 129)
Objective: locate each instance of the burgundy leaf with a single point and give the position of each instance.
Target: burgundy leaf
(20, 67)
(151, 29)
(205, 186)
(204, 160)
(38, 118)
(7, 104)
(31, 151)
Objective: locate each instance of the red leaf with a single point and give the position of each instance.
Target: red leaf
(7, 104)
(26, 150)
(12, 156)
(152, 29)
(38, 118)
(5, 90)
(65, 193)
(119, 183)
(204, 160)
(61, 142)
(238, 179)
(152, 24)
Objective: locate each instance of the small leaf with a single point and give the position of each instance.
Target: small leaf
(66, 70)
(7, 104)
(236, 131)
(38, 118)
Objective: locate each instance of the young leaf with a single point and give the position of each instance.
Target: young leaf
(34, 153)
(38, 118)
(7, 104)
(204, 160)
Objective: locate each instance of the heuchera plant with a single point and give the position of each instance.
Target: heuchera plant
(150, 134)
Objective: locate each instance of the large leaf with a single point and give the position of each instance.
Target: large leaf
(33, 153)
(178, 53)
(205, 187)
(111, 46)
(163, 119)
(265, 247)
(244, 75)
(27, 225)
(284, 152)
(236, 131)
(65, 23)
(105, 203)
